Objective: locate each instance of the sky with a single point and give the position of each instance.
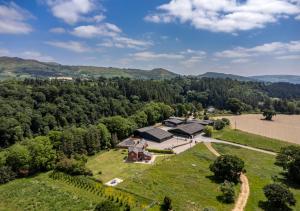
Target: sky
(190, 37)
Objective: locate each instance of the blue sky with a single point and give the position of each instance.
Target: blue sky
(246, 37)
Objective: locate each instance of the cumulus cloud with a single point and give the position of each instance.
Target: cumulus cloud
(289, 57)
(73, 11)
(58, 30)
(74, 46)
(13, 19)
(225, 15)
(89, 31)
(274, 48)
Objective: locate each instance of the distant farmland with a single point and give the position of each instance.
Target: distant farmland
(284, 127)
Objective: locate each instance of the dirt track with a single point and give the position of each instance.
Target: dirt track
(241, 202)
(283, 127)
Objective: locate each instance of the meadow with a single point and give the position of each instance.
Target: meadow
(260, 172)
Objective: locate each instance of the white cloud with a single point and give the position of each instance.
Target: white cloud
(125, 42)
(4, 52)
(148, 55)
(289, 57)
(36, 56)
(58, 30)
(225, 15)
(70, 45)
(72, 11)
(240, 61)
(89, 31)
(268, 49)
(13, 19)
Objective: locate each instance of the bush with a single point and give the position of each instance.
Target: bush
(167, 205)
(227, 167)
(163, 151)
(219, 124)
(206, 117)
(279, 196)
(72, 167)
(226, 121)
(6, 174)
(228, 193)
(208, 131)
(107, 206)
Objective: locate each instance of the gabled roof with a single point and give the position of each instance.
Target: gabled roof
(174, 121)
(159, 133)
(189, 129)
(144, 129)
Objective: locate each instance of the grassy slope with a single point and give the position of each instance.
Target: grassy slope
(249, 139)
(260, 169)
(189, 186)
(112, 165)
(42, 193)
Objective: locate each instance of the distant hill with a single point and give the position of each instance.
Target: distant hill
(294, 79)
(13, 67)
(224, 76)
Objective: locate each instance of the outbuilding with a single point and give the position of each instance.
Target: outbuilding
(153, 134)
(187, 130)
(172, 122)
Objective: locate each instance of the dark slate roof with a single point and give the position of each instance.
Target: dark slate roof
(190, 129)
(159, 133)
(144, 129)
(202, 122)
(174, 121)
(127, 142)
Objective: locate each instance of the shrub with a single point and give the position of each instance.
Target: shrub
(226, 121)
(167, 205)
(227, 167)
(6, 174)
(163, 151)
(219, 124)
(107, 206)
(268, 114)
(72, 167)
(279, 196)
(206, 117)
(208, 131)
(228, 193)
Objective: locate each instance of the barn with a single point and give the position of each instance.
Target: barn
(153, 134)
(187, 130)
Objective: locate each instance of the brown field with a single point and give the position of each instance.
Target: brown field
(283, 127)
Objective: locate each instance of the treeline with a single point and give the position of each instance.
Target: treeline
(35, 107)
(66, 150)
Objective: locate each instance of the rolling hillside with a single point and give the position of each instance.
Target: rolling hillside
(23, 68)
(294, 79)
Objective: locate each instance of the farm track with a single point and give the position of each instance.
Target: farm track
(241, 202)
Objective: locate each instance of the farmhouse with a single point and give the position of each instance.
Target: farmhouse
(187, 130)
(172, 122)
(153, 134)
(129, 142)
(138, 152)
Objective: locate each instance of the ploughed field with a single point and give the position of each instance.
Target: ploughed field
(283, 127)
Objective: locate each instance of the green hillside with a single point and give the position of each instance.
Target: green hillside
(23, 68)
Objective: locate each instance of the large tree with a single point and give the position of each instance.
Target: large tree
(278, 196)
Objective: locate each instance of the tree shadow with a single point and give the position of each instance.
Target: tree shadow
(222, 199)
(267, 207)
(284, 179)
(214, 179)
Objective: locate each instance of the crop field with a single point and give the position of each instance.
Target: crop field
(283, 127)
(260, 171)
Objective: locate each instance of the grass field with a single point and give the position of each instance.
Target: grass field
(260, 170)
(185, 178)
(111, 165)
(249, 139)
(42, 193)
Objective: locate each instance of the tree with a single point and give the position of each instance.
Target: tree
(228, 193)
(167, 204)
(289, 159)
(107, 206)
(19, 159)
(42, 153)
(208, 131)
(235, 105)
(105, 136)
(268, 114)
(227, 167)
(279, 196)
(219, 124)
(226, 121)
(6, 174)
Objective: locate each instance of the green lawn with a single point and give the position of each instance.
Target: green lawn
(185, 178)
(249, 139)
(42, 193)
(260, 169)
(112, 165)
